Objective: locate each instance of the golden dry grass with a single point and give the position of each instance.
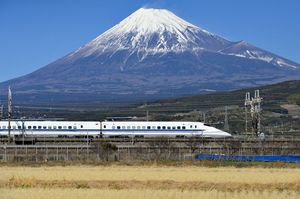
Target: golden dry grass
(181, 174)
(144, 194)
(148, 182)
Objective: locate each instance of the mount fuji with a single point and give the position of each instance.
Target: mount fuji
(151, 54)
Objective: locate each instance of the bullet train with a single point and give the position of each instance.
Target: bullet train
(110, 129)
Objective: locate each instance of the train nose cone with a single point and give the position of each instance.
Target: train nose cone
(225, 134)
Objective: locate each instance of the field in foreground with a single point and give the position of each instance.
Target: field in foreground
(145, 194)
(148, 182)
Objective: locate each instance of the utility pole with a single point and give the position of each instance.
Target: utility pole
(1, 112)
(247, 101)
(23, 132)
(226, 125)
(255, 109)
(9, 113)
(147, 115)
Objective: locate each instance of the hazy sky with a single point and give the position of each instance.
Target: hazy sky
(34, 33)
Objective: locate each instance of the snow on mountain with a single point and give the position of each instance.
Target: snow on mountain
(150, 31)
(246, 50)
(152, 54)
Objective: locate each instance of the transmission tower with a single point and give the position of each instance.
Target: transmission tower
(255, 110)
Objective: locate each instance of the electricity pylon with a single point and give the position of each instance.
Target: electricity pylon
(255, 109)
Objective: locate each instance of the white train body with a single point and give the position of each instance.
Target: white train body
(160, 129)
(51, 128)
(111, 129)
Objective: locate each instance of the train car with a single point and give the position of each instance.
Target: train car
(51, 128)
(110, 129)
(159, 129)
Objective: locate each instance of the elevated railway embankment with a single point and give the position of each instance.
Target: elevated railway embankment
(106, 149)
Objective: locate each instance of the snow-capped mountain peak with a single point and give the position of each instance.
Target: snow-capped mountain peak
(151, 31)
(152, 54)
(149, 20)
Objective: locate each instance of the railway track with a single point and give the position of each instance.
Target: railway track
(89, 140)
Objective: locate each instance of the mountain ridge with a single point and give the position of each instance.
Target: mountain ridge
(152, 54)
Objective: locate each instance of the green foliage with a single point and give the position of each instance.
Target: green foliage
(189, 108)
(294, 98)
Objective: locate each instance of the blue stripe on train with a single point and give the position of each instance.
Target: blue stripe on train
(110, 130)
(158, 130)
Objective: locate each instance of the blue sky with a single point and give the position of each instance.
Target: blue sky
(34, 33)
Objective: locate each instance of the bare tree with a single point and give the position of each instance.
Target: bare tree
(104, 149)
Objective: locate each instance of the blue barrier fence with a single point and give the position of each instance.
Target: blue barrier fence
(258, 158)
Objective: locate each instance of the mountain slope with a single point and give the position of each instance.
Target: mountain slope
(151, 54)
(246, 50)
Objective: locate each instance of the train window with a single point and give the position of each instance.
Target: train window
(14, 127)
(19, 127)
(4, 127)
(49, 127)
(74, 127)
(138, 127)
(39, 127)
(0, 127)
(191, 126)
(183, 127)
(169, 127)
(34, 127)
(118, 127)
(69, 127)
(113, 127)
(163, 127)
(133, 127)
(173, 127)
(54, 127)
(178, 127)
(81, 126)
(153, 127)
(123, 127)
(44, 127)
(148, 127)
(195, 126)
(128, 127)
(104, 126)
(64, 127)
(29, 127)
(158, 127)
(59, 127)
(143, 127)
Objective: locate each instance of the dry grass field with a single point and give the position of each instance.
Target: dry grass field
(148, 182)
